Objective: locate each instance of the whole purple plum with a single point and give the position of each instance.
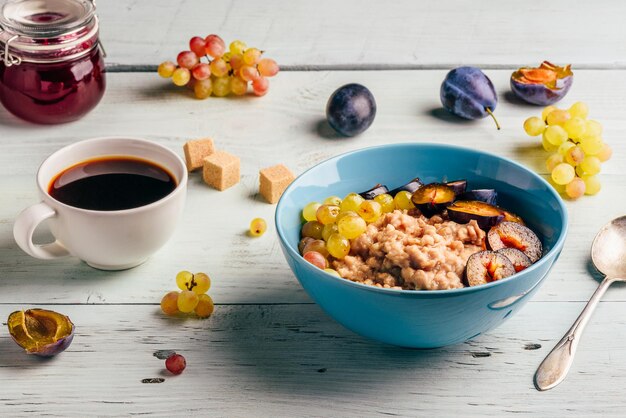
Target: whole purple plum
(468, 93)
(544, 85)
(351, 109)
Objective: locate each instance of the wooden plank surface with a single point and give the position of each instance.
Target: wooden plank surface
(374, 34)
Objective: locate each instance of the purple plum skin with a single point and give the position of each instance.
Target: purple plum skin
(467, 92)
(351, 109)
(56, 347)
(482, 195)
(539, 94)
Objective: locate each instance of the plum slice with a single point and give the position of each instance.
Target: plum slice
(458, 186)
(486, 215)
(374, 191)
(482, 195)
(486, 267)
(544, 85)
(41, 332)
(519, 259)
(410, 187)
(511, 217)
(515, 235)
(433, 198)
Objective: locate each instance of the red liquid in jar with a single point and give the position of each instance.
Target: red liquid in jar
(53, 92)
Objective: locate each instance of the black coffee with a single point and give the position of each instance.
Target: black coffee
(112, 183)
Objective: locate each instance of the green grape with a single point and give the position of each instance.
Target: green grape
(333, 272)
(575, 128)
(386, 202)
(574, 156)
(316, 245)
(534, 126)
(328, 231)
(591, 165)
(591, 144)
(183, 279)
(303, 242)
(548, 146)
(332, 200)
(203, 283)
(237, 47)
(221, 86)
(593, 128)
(351, 226)
(258, 226)
(351, 202)
(309, 213)
(546, 111)
(403, 200)
(327, 214)
(592, 184)
(565, 146)
(575, 188)
(553, 160)
(605, 153)
(347, 213)
(338, 246)
(169, 303)
(579, 110)
(205, 306)
(557, 117)
(166, 69)
(312, 229)
(555, 135)
(563, 174)
(181, 76)
(370, 210)
(187, 301)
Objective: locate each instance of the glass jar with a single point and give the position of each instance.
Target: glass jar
(51, 59)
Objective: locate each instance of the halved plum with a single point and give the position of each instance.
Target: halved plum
(514, 235)
(374, 191)
(482, 195)
(511, 217)
(544, 85)
(519, 259)
(459, 186)
(433, 198)
(41, 332)
(486, 215)
(410, 187)
(486, 267)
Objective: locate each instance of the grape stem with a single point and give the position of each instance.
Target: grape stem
(494, 118)
(192, 283)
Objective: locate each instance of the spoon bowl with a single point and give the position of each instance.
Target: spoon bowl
(608, 251)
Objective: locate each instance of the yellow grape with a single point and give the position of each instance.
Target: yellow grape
(591, 144)
(351, 202)
(309, 213)
(574, 156)
(169, 303)
(579, 110)
(370, 210)
(575, 188)
(329, 230)
(312, 229)
(555, 135)
(547, 145)
(558, 117)
(327, 214)
(258, 226)
(386, 202)
(267, 67)
(605, 153)
(591, 165)
(592, 184)
(205, 306)
(221, 86)
(333, 272)
(563, 174)
(546, 111)
(251, 56)
(558, 187)
(575, 128)
(534, 126)
(203, 88)
(181, 76)
(187, 301)
(166, 69)
(593, 128)
(203, 283)
(553, 160)
(237, 47)
(351, 226)
(183, 279)
(332, 200)
(338, 246)
(238, 86)
(403, 200)
(565, 146)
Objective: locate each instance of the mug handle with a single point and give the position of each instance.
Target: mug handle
(24, 227)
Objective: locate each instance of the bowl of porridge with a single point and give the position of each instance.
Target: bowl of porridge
(420, 245)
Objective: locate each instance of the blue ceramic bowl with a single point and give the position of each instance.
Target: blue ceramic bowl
(423, 319)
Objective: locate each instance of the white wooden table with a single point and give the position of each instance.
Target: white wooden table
(268, 350)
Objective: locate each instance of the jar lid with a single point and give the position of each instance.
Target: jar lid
(45, 18)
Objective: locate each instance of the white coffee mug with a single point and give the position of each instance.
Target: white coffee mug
(107, 240)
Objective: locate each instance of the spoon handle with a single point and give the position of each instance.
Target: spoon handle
(555, 366)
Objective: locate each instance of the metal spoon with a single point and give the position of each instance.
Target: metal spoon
(608, 254)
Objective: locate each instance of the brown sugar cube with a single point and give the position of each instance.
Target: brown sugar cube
(221, 170)
(196, 151)
(273, 182)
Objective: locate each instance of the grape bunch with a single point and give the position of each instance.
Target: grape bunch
(224, 72)
(191, 298)
(576, 148)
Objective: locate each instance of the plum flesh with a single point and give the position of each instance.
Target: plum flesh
(433, 198)
(41, 332)
(351, 109)
(514, 235)
(544, 85)
(487, 266)
(519, 259)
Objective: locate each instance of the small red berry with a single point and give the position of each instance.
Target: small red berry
(175, 363)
